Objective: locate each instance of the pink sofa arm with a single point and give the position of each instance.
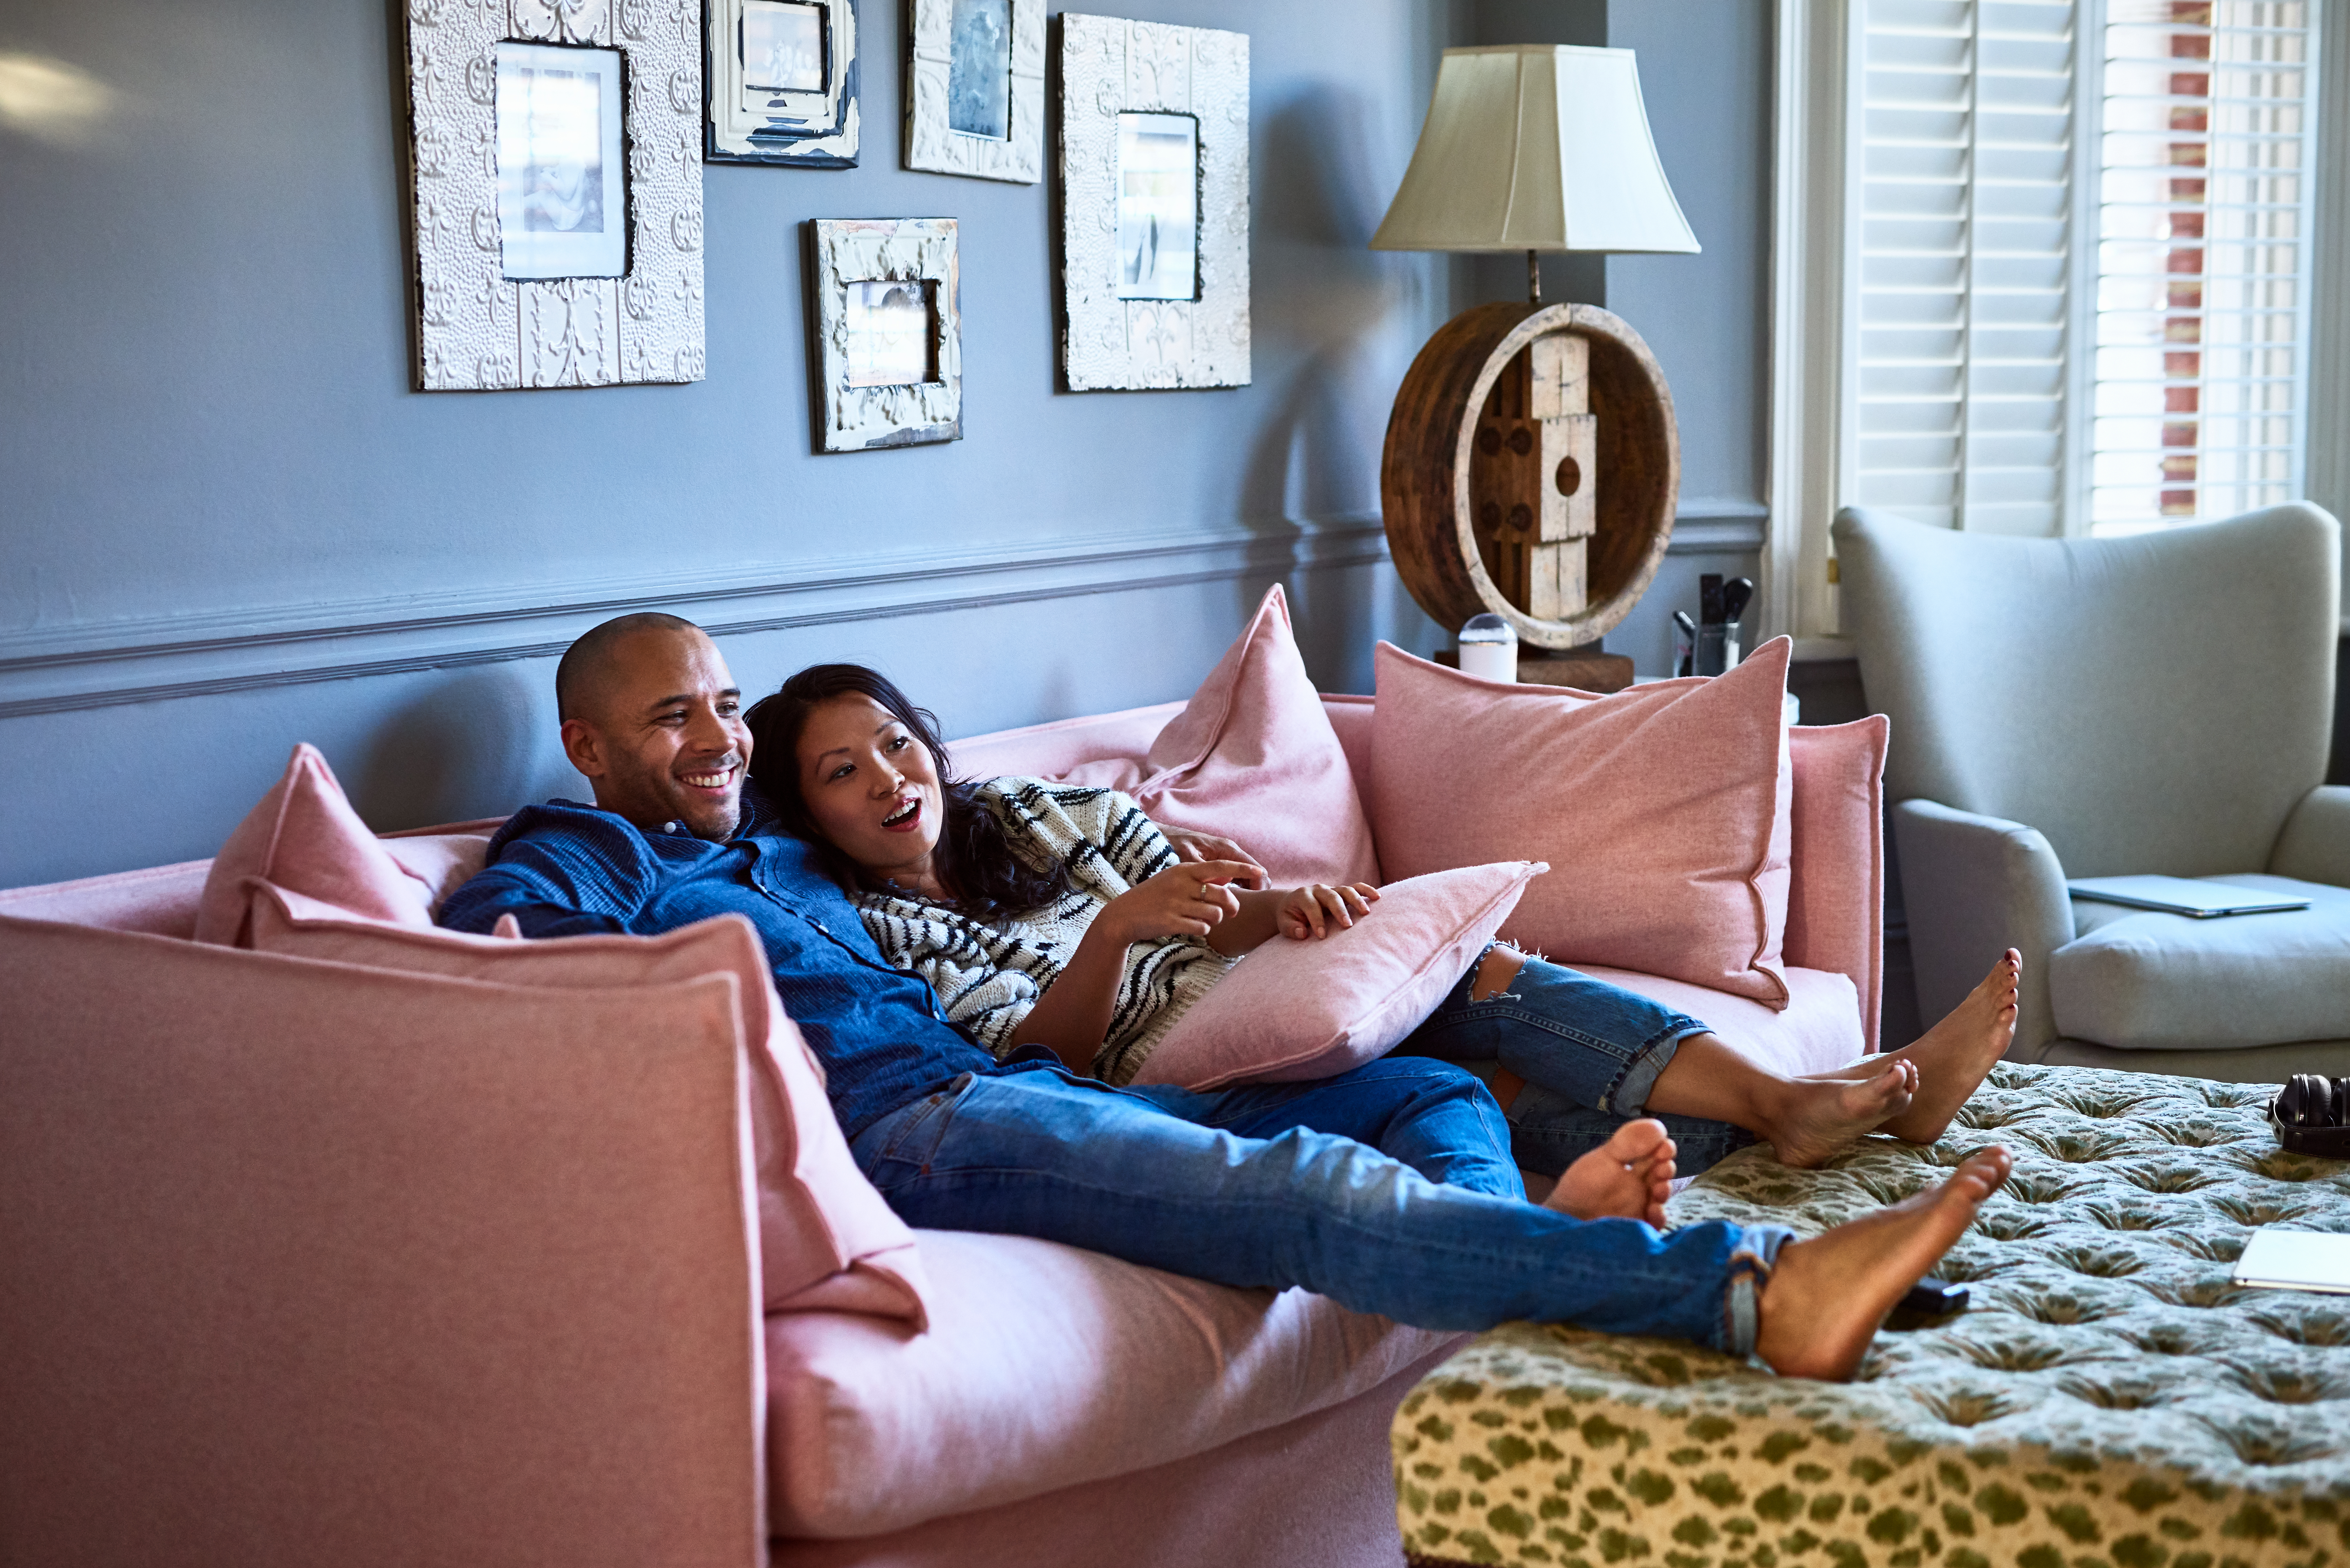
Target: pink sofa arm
(312, 1263)
(1835, 898)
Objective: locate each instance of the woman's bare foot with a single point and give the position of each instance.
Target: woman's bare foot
(1826, 1296)
(1952, 1056)
(1628, 1177)
(1812, 1119)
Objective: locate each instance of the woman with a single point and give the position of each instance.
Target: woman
(1060, 916)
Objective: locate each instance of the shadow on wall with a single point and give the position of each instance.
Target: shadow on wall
(477, 743)
(1318, 197)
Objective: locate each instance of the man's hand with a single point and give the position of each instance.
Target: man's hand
(1197, 849)
(1316, 911)
(1181, 901)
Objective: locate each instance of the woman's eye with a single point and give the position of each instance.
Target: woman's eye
(842, 771)
(899, 743)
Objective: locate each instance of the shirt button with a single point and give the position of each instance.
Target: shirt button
(672, 827)
(820, 930)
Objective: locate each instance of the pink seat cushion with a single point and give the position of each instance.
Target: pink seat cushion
(1252, 756)
(1664, 811)
(1293, 1010)
(1045, 1367)
(827, 1239)
(1819, 1029)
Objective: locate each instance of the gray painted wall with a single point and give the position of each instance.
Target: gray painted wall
(226, 524)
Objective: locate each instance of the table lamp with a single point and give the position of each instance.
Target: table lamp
(1533, 466)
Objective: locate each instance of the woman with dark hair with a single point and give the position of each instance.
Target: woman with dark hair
(1060, 916)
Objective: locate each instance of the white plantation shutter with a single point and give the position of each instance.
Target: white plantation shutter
(2204, 265)
(1955, 372)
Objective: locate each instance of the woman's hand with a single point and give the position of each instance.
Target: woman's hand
(1185, 900)
(1192, 848)
(1314, 912)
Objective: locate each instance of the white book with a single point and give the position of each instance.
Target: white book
(2281, 1260)
(2183, 896)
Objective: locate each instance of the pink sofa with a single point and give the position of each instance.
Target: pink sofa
(307, 1263)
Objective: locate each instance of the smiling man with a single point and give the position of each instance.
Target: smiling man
(1389, 1187)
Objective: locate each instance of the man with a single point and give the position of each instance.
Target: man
(1390, 1188)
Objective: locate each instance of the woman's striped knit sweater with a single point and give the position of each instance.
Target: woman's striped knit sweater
(988, 979)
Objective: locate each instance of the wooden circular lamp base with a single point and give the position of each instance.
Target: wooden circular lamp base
(1531, 470)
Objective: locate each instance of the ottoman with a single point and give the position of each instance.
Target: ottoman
(2110, 1400)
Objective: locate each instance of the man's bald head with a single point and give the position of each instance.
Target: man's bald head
(583, 681)
(653, 719)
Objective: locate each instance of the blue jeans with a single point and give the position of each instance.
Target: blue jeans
(1389, 1188)
(1589, 1052)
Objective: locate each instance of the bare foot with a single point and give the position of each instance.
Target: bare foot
(1628, 1177)
(1825, 1298)
(1815, 1118)
(1952, 1056)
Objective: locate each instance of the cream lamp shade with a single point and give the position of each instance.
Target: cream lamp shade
(1535, 146)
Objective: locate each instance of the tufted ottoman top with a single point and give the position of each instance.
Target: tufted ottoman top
(2110, 1400)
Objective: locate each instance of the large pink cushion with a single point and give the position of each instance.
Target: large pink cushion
(1835, 894)
(1045, 1367)
(1296, 1010)
(1664, 811)
(828, 1241)
(313, 1264)
(305, 837)
(1252, 756)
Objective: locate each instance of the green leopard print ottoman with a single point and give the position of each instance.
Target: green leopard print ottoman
(2110, 1400)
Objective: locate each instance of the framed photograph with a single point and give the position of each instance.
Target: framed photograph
(555, 192)
(783, 82)
(885, 350)
(975, 88)
(562, 206)
(1154, 205)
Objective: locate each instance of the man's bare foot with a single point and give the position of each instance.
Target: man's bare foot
(1812, 1119)
(1826, 1296)
(1952, 1056)
(1628, 1177)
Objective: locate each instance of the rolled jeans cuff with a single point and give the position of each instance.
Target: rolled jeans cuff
(1629, 1096)
(1751, 1262)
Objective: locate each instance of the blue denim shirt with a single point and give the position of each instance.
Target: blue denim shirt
(565, 870)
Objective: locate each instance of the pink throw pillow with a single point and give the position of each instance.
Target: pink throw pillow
(304, 835)
(1296, 1009)
(828, 1241)
(1666, 809)
(1252, 757)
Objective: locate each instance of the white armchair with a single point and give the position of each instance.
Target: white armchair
(2159, 703)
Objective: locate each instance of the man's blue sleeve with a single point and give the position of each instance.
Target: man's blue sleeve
(556, 887)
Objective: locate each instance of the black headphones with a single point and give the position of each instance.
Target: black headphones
(2312, 1113)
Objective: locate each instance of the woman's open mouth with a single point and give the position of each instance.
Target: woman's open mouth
(908, 812)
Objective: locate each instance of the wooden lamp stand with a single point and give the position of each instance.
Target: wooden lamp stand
(1531, 469)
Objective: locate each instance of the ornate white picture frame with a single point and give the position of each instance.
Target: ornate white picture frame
(876, 388)
(1112, 68)
(973, 67)
(479, 329)
(804, 116)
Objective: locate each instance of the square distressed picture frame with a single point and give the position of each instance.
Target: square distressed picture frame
(885, 350)
(782, 82)
(1154, 205)
(975, 88)
(538, 262)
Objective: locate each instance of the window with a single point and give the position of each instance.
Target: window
(2203, 259)
(2049, 267)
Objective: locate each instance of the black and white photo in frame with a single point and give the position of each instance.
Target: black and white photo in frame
(783, 82)
(1154, 205)
(556, 194)
(975, 88)
(885, 338)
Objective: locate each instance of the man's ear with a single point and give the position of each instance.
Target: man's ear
(584, 747)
